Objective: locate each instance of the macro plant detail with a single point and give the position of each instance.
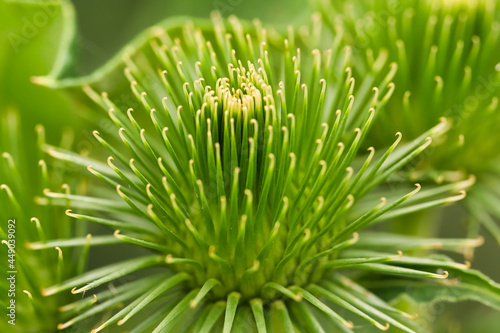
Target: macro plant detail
(243, 179)
(448, 65)
(233, 176)
(26, 267)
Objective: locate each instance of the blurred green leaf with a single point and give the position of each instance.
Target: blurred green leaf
(30, 39)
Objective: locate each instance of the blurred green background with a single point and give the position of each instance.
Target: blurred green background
(28, 46)
(105, 26)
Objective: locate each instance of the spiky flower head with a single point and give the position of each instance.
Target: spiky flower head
(23, 175)
(448, 65)
(242, 170)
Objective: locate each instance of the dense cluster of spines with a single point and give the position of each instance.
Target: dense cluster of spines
(245, 187)
(31, 222)
(447, 54)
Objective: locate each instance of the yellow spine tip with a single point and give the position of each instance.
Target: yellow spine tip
(383, 327)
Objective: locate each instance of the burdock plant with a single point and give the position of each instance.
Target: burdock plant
(23, 176)
(448, 65)
(243, 169)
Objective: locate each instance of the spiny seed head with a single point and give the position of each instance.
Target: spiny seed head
(448, 66)
(457, 62)
(22, 177)
(246, 185)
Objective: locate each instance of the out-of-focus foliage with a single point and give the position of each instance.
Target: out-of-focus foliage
(29, 41)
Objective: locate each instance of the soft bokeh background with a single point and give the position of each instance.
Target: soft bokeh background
(29, 37)
(104, 27)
